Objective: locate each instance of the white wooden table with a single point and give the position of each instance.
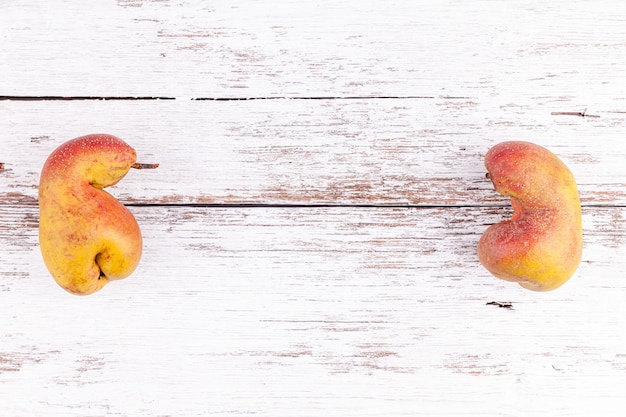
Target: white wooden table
(310, 236)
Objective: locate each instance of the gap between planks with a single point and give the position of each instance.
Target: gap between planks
(149, 98)
(325, 205)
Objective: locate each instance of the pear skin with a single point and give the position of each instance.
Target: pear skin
(540, 247)
(87, 237)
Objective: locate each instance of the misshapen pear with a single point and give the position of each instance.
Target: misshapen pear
(87, 237)
(541, 246)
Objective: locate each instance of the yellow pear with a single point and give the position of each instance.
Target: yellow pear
(540, 247)
(87, 237)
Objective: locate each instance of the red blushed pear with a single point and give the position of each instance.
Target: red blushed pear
(87, 237)
(540, 247)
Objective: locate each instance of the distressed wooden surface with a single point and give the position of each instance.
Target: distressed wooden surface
(566, 52)
(313, 311)
(381, 152)
(310, 236)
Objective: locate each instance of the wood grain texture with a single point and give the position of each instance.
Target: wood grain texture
(347, 152)
(310, 235)
(562, 51)
(312, 311)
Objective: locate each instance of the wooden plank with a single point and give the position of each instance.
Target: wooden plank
(351, 152)
(554, 53)
(312, 311)
(261, 300)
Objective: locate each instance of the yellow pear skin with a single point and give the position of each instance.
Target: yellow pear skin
(87, 237)
(540, 247)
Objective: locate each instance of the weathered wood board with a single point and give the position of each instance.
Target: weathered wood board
(310, 235)
(346, 152)
(310, 311)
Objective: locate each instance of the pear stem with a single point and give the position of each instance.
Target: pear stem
(137, 165)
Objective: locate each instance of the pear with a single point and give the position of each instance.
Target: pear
(540, 247)
(87, 237)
